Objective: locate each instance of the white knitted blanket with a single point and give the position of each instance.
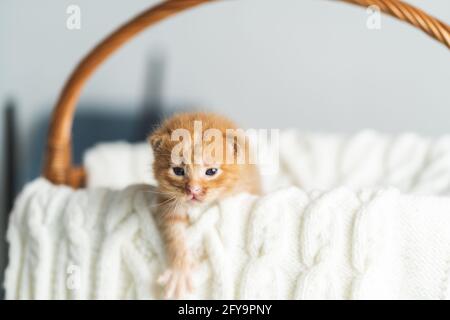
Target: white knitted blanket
(368, 159)
(290, 244)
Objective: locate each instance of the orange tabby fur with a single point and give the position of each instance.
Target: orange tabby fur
(175, 199)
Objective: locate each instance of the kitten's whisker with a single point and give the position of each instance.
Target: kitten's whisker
(164, 193)
(165, 201)
(160, 205)
(170, 208)
(159, 192)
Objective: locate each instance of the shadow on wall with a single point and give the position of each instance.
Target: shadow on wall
(8, 185)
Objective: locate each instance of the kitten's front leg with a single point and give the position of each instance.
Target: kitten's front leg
(177, 279)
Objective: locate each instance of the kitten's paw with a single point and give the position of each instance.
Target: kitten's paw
(177, 282)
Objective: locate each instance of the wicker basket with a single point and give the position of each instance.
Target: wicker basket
(58, 166)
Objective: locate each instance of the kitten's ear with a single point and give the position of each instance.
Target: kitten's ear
(156, 140)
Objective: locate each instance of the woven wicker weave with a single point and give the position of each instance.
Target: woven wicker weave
(58, 166)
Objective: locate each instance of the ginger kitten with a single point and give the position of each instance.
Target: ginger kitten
(189, 172)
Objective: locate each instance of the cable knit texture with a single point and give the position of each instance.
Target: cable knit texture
(382, 230)
(368, 159)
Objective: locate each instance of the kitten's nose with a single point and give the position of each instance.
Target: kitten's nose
(193, 189)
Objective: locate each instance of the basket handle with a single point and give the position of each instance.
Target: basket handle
(58, 166)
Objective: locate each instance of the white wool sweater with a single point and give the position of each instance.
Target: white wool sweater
(289, 244)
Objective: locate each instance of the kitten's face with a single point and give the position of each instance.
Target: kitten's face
(191, 183)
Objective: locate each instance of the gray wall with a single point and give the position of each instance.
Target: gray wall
(267, 63)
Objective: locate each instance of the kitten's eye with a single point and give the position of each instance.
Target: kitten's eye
(211, 171)
(178, 171)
